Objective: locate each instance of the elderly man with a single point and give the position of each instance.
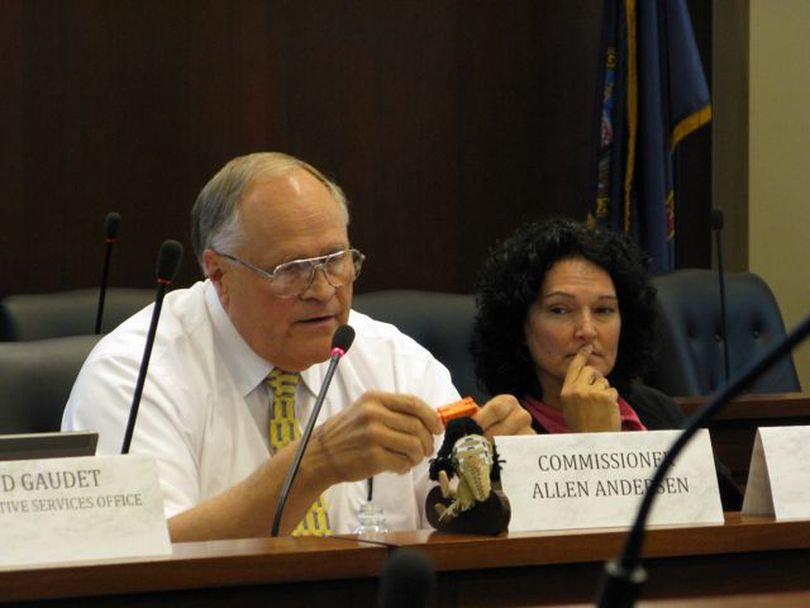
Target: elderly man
(237, 354)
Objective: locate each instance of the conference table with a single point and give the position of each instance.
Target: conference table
(746, 561)
(743, 556)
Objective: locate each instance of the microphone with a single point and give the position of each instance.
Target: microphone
(623, 578)
(169, 257)
(717, 227)
(341, 341)
(408, 580)
(111, 225)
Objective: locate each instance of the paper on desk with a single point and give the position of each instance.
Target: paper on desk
(779, 476)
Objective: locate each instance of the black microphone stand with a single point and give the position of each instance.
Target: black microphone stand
(111, 225)
(624, 577)
(168, 263)
(344, 336)
(717, 224)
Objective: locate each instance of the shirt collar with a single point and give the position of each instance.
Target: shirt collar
(246, 367)
(312, 378)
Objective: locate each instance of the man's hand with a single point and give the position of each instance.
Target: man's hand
(378, 432)
(503, 415)
(589, 403)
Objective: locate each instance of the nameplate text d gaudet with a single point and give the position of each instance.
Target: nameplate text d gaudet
(594, 480)
(83, 508)
(778, 478)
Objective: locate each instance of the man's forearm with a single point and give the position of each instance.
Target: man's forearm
(247, 508)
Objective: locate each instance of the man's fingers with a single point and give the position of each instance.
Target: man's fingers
(404, 434)
(511, 426)
(495, 410)
(389, 460)
(379, 432)
(502, 415)
(411, 406)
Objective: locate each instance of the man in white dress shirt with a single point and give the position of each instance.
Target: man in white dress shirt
(270, 233)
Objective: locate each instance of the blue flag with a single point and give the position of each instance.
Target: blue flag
(654, 93)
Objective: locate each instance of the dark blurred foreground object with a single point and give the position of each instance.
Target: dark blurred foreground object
(408, 580)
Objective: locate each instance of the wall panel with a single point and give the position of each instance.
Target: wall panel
(447, 123)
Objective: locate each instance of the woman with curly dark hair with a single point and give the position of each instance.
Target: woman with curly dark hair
(565, 320)
(565, 323)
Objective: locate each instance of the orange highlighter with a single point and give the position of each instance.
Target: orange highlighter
(457, 409)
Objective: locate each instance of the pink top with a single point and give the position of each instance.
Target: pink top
(553, 421)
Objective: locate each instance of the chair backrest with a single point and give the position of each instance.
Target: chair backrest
(690, 348)
(66, 313)
(35, 381)
(441, 322)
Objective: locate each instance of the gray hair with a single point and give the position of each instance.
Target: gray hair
(215, 216)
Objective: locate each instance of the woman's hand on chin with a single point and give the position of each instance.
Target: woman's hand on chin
(589, 403)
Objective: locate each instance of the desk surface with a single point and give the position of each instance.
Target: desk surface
(755, 560)
(793, 407)
(204, 569)
(746, 555)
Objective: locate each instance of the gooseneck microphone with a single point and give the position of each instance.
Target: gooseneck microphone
(408, 580)
(171, 252)
(623, 578)
(111, 225)
(717, 227)
(341, 341)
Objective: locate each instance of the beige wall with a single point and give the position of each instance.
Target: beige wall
(730, 127)
(779, 157)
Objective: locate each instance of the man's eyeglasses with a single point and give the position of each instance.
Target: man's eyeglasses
(294, 278)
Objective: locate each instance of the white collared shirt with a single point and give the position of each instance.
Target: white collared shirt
(205, 405)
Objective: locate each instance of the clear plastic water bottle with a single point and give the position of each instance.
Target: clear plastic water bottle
(370, 518)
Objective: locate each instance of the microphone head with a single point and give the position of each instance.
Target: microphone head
(717, 219)
(171, 252)
(111, 225)
(407, 580)
(342, 339)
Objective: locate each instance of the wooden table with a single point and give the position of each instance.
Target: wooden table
(289, 571)
(776, 599)
(744, 556)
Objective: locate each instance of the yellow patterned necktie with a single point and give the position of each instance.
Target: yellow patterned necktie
(284, 429)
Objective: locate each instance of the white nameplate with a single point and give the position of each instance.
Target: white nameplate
(593, 480)
(779, 478)
(84, 508)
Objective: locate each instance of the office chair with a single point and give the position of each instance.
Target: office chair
(66, 313)
(689, 357)
(441, 322)
(35, 381)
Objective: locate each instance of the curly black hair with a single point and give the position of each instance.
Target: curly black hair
(510, 282)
